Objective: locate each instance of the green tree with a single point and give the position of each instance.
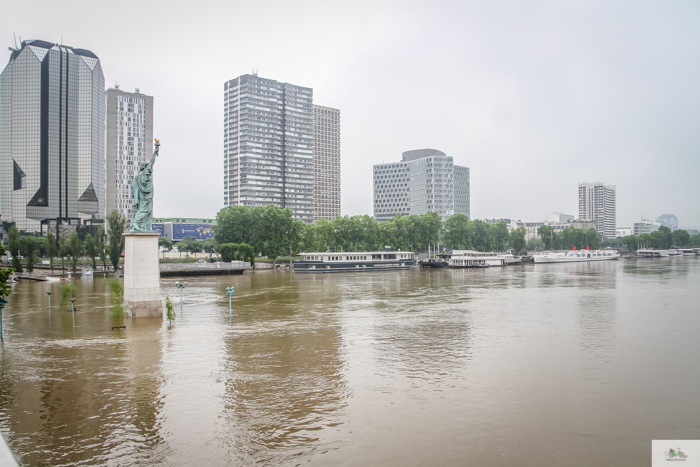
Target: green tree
(14, 245)
(228, 251)
(209, 245)
(91, 249)
(100, 246)
(50, 247)
(458, 233)
(63, 251)
(277, 227)
(5, 274)
(30, 248)
(117, 226)
(482, 235)
(245, 252)
(499, 236)
(76, 250)
(681, 238)
(547, 235)
(165, 243)
(632, 242)
(695, 240)
(189, 244)
(535, 244)
(517, 239)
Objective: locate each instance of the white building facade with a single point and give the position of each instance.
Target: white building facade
(268, 145)
(597, 202)
(425, 180)
(644, 227)
(129, 142)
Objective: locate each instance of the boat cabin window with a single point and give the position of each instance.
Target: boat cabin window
(376, 257)
(389, 256)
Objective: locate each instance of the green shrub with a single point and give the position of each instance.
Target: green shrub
(169, 309)
(228, 251)
(68, 291)
(116, 294)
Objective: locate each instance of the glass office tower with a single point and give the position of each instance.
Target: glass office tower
(268, 145)
(52, 137)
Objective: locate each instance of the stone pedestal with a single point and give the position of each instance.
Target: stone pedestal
(142, 275)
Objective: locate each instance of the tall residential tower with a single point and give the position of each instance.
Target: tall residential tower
(268, 145)
(425, 180)
(52, 146)
(326, 163)
(596, 202)
(129, 142)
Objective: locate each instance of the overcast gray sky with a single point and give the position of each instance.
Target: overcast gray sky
(533, 96)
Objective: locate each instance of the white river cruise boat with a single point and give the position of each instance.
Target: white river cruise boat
(479, 259)
(354, 261)
(575, 256)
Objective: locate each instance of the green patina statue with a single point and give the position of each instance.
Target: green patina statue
(142, 192)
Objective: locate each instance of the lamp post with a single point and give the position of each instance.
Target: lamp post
(180, 285)
(229, 292)
(72, 305)
(48, 292)
(3, 302)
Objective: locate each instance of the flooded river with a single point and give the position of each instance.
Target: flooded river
(547, 365)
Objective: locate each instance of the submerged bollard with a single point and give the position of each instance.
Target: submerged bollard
(229, 292)
(48, 292)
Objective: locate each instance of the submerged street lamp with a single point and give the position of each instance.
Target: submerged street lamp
(48, 292)
(180, 285)
(3, 302)
(72, 305)
(229, 292)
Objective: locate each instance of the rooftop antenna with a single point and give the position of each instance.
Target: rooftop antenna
(116, 85)
(255, 72)
(15, 39)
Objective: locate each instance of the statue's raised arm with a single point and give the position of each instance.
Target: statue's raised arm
(142, 192)
(155, 154)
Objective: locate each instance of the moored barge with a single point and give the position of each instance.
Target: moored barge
(354, 261)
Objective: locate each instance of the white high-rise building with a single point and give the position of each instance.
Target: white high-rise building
(597, 202)
(52, 137)
(425, 180)
(268, 145)
(129, 142)
(326, 163)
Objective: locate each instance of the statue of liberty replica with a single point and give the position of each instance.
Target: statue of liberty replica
(141, 264)
(142, 193)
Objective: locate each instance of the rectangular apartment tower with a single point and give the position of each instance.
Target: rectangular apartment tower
(129, 142)
(326, 163)
(268, 145)
(52, 137)
(596, 202)
(426, 180)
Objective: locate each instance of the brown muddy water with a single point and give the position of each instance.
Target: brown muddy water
(547, 365)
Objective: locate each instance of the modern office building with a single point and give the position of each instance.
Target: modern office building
(558, 218)
(425, 180)
(268, 145)
(52, 137)
(326, 163)
(596, 202)
(623, 231)
(129, 142)
(645, 226)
